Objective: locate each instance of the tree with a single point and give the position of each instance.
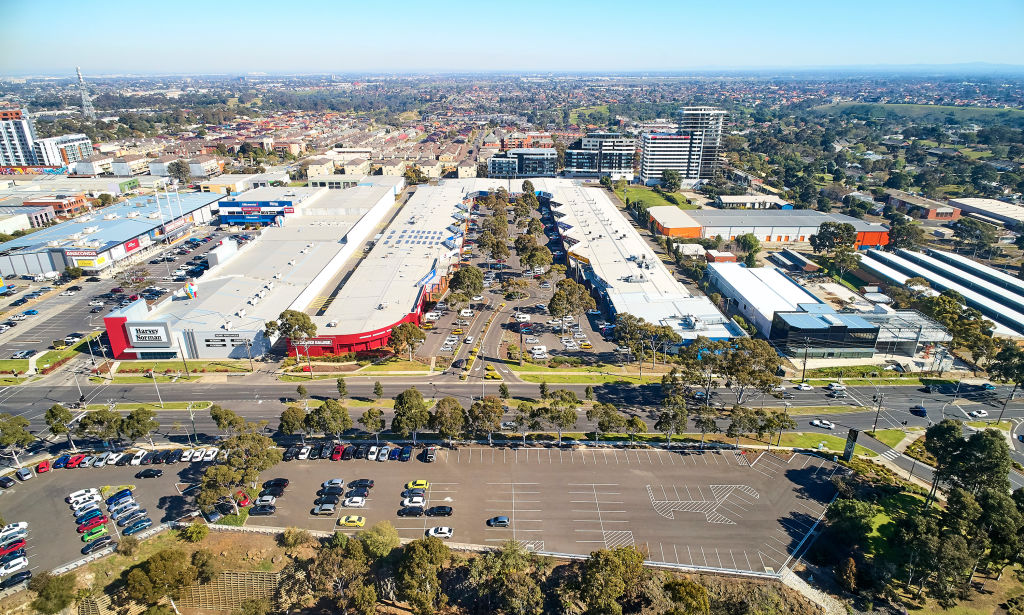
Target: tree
(832, 235)
(748, 243)
(526, 417)
(633, 426)
(301, 391)
(499, 250)
(380, 539)
(561, 411)
(469, 280)
(844, 259)
(969, 232)
(611, 579)
(690, 597)
(165, 573)
(53, 593)
(58, 419)
(411, 414)
(179, 170)
(217, 482)
(448, 418)
(849, 521)
(484, 416)
(141, 423)
(342, 388)
(417, 575)
(904, 234)
(750, 364)
(251, 453)
(194, 532)
(744, 421)
(378, 389)
(293, 420)
(74, 272)
(704, 421)
(329, 418)
(607, 418)
(407, 336)
(671, 180)
(846, 575)
(294, 325)
(226, 420)
(1008, 366)
(671, 422)
(373, 421)
(576, 297)
(103, 424)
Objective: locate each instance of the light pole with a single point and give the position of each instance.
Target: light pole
(878, 411)
(192, 417)
(1005, 402)
(160, 399)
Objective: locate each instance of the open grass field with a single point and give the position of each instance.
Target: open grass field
(930, 112)
(574, 115)
(648, 197)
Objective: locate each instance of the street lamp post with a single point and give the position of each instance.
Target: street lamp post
(878, 411)
(160, 399)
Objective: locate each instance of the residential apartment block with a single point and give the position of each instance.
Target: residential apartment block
(17, 138)
(693, 150)
(524, 162)
(63, 151)
(602, 154)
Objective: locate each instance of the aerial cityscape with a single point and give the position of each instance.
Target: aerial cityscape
(364, 309)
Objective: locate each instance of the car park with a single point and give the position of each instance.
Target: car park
(323, 509)
(262, 511)
(499, 521)
(414, 501)
(15, 580)
(24, 474)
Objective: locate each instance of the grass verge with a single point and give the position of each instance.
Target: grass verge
(168, 405)
(888, 437)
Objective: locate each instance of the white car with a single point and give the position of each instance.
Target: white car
(469, 339)
(198, 454)
(382, 454)
(580, 335)
(84, 501)
(78, 512)
(334, 482)
(14, 565)
(979, 414)
(186, 456)
(304, 452)
(824, 424)
(96, 303)
(441, 532)
(531, 340)
(20, 525)
(114, 458)
(554, 323)
(211, 454)
(10, 535)
(835, 386)
(19, 317)
(67, 293)
(371, 455)
(571, 345)
(137, 458)
(478, 298)
(415, 500)
(803, 386)
(778, 388)
(354, 502)
(265, 500)
(74, 495)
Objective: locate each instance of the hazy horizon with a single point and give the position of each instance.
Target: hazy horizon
(573, 37)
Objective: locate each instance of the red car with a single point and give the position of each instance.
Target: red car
(336, 454)
(75, 461)
(43, 466)
(91, 524)
(242, 498)
(11, 547)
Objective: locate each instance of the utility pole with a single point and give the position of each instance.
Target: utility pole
(877, 412)
(1005, 402)
(160, 399)
(192, 416)
(803, 376)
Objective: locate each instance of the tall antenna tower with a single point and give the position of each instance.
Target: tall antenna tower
(87, 111)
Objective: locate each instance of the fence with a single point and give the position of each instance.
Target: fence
(230, 589)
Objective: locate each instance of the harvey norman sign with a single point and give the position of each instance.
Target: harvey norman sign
(148, 334)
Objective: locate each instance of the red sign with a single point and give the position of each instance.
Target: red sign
(289, 210)
(250, 210)
(131, 245)
(80, 252)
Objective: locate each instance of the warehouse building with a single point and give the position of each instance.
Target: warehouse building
(117, 235)
(998, 296)
(289, 266)
(1009, 214)
(768, 225)
(758, 292)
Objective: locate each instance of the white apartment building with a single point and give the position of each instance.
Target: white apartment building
(63, 151)
(17, 138)
(602, 154)
(693, 149)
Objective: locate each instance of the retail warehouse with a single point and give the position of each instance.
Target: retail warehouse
(768, 225)
(798, 323)
(998, 296)
(116, 235)
(291, 265)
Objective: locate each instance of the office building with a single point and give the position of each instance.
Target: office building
(63, 151)
(524, 162)
(17, 138)
(602, 154)
(693, 150)
(920, 207)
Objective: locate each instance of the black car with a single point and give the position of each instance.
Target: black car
(92, 279)
(328, 499)
(405, 454)
(13, 555)
(411, 511)
(365, 483)
(96, 309)
(75, 288)
(360, 452)
(225, 508)
(150, 473)
(17, 579)
(124, 460)
(96, 545)
(359, 492)
(262, 511)
(348, 452)
(6, 482)
(160, 456)
(148, 459)
(273, 491)
(439, 511)
(324, 450)
(290, 453)
(276, 482)
(331, 491)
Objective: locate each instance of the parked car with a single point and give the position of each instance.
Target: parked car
(439, 511)
(824, 424)
(150, 473)
(441, 532)
(138, 526)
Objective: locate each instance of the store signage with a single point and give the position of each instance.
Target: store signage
(314, 342)
(80, 252)
(289, 210)
(250, 210)
(148, 334)
(131, 245)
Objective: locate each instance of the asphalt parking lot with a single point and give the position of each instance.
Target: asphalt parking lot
(711, 509)
(53, 539)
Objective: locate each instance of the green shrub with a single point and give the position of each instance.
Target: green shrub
(194, 533)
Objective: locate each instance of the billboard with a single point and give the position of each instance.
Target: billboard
(148, 334)
(131, 245)
(851, 444)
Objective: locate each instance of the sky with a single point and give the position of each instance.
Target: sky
(337, 36)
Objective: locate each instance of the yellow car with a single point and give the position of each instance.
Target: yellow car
(586, 345)
(417, 484)
(352, 521)
(427, 326)
(457, 331)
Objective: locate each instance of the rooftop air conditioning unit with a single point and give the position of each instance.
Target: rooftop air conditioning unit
(291, 262)
(227, 326)
(277, 276)
(241, 313)
(133, 214)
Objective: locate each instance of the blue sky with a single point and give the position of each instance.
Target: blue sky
(216, 36)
